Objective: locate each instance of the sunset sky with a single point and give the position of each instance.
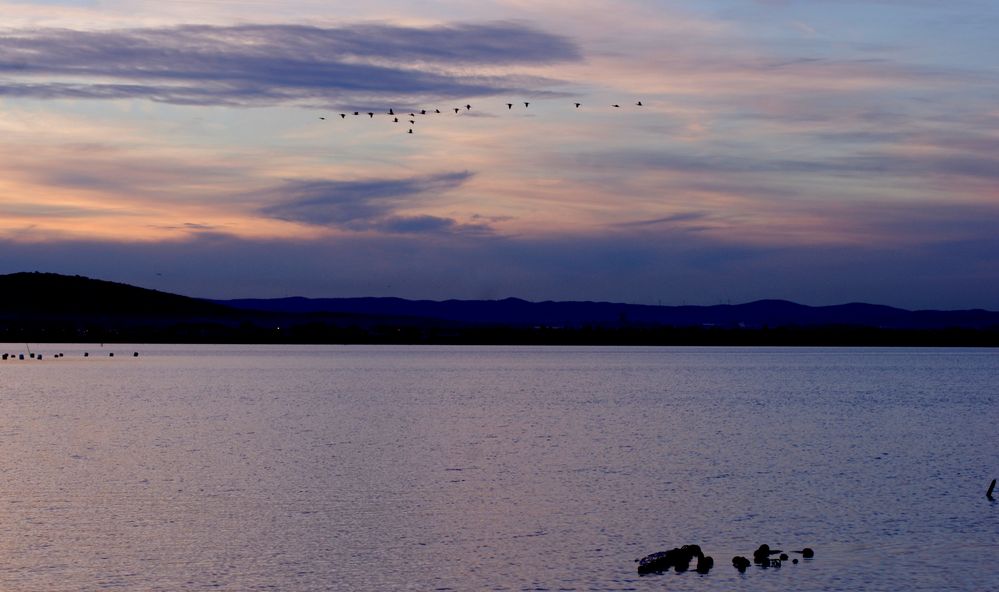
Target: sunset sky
(822, 151)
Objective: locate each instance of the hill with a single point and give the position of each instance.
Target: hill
(55, 295)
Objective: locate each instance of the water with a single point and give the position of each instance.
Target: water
(506, 468)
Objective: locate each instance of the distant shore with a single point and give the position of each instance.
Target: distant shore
(410, 334)
(53, 308)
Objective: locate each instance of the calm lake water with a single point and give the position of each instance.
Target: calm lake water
(507, 468)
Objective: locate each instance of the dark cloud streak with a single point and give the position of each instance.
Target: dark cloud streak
(366, 204)
(272, 64)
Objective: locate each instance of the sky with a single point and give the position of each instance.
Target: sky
(820, 151)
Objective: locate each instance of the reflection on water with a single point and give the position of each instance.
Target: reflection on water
(363, 468)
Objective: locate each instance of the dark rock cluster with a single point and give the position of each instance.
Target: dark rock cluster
(679, 559)
(762, 557)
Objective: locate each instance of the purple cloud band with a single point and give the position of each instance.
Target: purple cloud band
(270, 64)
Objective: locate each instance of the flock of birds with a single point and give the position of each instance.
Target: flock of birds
(436, 111)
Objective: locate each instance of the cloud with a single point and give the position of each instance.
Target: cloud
(274, 64)
(863, 164)
(364, 205)
(667, 220)
(429, 225)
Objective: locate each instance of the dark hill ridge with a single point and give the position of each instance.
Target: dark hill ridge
(55, 295)
(516, 312)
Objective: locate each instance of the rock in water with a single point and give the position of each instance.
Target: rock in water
(656, 562)
(676, 558)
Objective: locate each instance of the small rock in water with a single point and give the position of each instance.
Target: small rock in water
(676, 558)
(762, 554)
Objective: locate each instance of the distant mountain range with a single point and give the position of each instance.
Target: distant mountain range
(517, 312)
(52, 307)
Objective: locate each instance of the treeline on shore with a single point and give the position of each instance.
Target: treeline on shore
(409, 333)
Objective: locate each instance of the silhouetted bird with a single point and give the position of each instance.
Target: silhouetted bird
(577, 105)
(639, 103)
(413, 121)
(410, 131)
(437, 110)
(509, 105)
(616, 106)
(423, 111)
(456, 109)
(395, 120)
(391, 112)
(526, 104)
(343, 116)
(468, 107)
(357, 112)
(371, 115)
(323, 118)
